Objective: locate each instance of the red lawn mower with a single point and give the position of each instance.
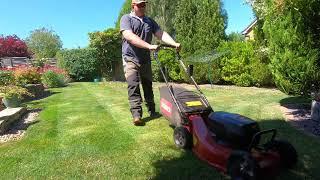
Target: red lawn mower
(230, 142)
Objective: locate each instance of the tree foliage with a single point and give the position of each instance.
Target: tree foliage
(291, 30)
(211, 22)
(44, 43)
(108, 47)
(185, 25)
(163, 12)
(234, 36)
(13, 46)
(126, 8)
(200, 25)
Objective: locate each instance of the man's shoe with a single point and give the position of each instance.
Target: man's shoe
(138, 122)
(155, 115)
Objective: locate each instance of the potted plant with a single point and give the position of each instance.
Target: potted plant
(12, 95)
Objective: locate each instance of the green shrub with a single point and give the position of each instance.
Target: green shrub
(206, 67)
(156, 74)
(200, 72)
(52, 79)
(11, 91)
(6, 78)
(39, 62)
(81, 64)
(170, 66)
(28, 75)
(245, 65)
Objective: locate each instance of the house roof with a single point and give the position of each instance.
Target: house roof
(249, 28)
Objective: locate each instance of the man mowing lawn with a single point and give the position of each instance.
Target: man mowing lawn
(137, 30)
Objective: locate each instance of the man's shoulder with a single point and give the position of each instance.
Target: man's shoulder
(148, 17)
(125, 16)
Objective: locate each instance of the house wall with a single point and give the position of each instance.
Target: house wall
(249, 36)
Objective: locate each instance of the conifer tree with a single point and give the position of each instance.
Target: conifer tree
(211, 21)
(185, 25)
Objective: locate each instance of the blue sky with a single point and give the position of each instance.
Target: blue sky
(73, 19)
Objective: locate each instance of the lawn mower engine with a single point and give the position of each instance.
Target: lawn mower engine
(233, 129)
(189, 103)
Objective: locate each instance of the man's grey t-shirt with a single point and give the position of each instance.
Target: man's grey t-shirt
(142, 27)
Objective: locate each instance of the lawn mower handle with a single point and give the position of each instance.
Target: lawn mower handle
(165, 46)
(257, 136)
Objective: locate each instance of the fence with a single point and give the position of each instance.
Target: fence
(11, 62)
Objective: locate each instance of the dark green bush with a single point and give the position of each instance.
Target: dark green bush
(82, 64)
(52, 79)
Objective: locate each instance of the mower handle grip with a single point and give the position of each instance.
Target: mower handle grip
(166, 46)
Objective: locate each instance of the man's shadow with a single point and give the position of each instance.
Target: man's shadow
(147, 119)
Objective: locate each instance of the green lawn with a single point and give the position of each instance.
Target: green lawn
(85, 131)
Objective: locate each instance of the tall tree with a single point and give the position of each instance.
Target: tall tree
(163, 12)
(44, 43)
(211, 22)
(185, 25)
(200, 25)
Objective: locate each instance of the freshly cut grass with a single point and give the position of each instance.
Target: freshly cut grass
(85, 131)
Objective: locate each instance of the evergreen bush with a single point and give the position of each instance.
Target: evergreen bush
(52, 79)
(81, 64)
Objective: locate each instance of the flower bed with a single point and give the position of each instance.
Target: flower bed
(32, 79)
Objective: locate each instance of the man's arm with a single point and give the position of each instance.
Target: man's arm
(166, 38)
(137, 41)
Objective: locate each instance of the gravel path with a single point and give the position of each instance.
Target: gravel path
(299, 116)
(18, 129)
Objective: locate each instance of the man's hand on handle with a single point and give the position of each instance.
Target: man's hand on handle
(153, 47)
(178, 47)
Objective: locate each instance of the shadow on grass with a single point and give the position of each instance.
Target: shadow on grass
(46, 94)
(187, 166)
(298, 100)
(147, 119)
(35, 103)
